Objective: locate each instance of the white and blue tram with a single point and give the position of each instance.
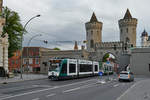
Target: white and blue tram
(72, 68)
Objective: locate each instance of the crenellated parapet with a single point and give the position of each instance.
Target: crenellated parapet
(93, 25)
(105, 45)
(128, 22)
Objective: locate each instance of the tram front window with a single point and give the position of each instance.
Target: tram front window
(54, 67)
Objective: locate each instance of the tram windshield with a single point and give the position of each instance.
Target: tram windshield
(54, 65)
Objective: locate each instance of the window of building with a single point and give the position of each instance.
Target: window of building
(127, 30)
(16, 61)
(127, 40)
(25, 61)
(91, 33)
(36, 61)
(121, 31)
(92, 44)
(30, 61)
(133, 30)
(13, 62)
(16, 53)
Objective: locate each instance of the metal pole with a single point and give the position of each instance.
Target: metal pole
(28, 49)
(22, 43)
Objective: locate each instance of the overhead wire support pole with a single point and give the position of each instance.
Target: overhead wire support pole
(21, 69)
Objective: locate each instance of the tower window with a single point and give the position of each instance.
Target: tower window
(92, 44)
(121, 30)
(127, 30)
(91, 33)
(133, 30)
(127, 40)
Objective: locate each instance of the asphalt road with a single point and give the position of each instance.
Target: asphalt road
(77, 89)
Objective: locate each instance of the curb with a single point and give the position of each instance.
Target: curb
(6, 82)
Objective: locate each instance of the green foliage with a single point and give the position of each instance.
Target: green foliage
(13, 28)
(56, 48)
(105, 57)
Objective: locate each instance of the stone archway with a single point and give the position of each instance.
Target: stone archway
(110, 54)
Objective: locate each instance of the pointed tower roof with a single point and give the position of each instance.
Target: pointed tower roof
(75, 46)
(127, 15)
(93, 18)
(144, 33)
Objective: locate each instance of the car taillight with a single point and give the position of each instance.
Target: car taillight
(119, 76)
(128, 76)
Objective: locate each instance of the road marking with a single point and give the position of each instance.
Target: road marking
(115, 85)
(36, 99)
(37, 91)
(50, 95)
(70, 90)
(1, 96)
(81, 87)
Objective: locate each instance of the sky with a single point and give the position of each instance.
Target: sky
(63, 21)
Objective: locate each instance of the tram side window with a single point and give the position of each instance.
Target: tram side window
(64, 69)
(72, 68)
(96, 68)
(85, 68)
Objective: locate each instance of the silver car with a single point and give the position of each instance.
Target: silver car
(126, 75)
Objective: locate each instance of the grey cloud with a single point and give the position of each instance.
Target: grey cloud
(65, 19)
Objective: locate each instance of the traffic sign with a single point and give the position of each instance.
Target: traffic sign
(100, 73)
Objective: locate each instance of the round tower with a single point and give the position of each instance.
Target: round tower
(127, 27)
(144, 39)
(93, 32)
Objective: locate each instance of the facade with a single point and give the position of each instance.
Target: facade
(127, 27)
(140, 63)
(93, 32)
(145, 39)
(3, 50)
(15, 62)
(98, 49)
(32, 58)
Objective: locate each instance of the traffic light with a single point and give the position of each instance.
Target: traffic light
(45, 41)
(115, 47)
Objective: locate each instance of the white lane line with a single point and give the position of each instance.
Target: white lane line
(115, 85)
(1, 96)
(36, 99)
(50, 95)
(81, 87)
(70, 90)
(37, 91)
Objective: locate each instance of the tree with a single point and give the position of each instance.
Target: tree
(56, 48)
(105, 57)
(13, 28)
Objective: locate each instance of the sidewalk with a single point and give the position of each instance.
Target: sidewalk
(25, 77)
(139, 91)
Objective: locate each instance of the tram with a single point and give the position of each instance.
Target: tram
(72, 68)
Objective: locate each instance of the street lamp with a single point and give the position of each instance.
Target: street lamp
(28, 48)
(22, 42)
